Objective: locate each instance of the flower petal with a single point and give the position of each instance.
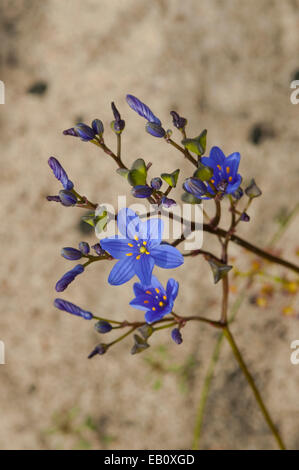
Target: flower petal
(217, 155)
(117, 247)
(138, 289)
(138, 303)
(151, 316)
(172, 289)
(122, 271)
(155, 283)
(167, 256)
(232, 161)
(128, 222)
(152, 230)
(231, 188)
(144, 268)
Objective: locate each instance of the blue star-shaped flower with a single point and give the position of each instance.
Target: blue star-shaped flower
(138, 249)
(154, 299)
(225, 170)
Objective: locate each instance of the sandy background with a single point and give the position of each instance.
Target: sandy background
(227, 66)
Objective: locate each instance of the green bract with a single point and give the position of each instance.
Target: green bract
(198, 144)
(171, 178)
(138, 173)
(203, 173)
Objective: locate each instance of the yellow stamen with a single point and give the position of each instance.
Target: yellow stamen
(142, 249)
(148, 292)
(147, 252)
(130, 244)
(136, 238)
(129, 254)
(213, 181)
(138, 257)
(219, 167)
(157, 290)
(161, 304)
(230, 178)
(146, 301)
(164, 297)
(144, 243)
(153, 308)
(227, 169)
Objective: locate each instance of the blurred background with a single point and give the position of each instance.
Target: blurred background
(227, 67)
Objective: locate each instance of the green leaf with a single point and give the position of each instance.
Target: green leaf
(123, 172)
(171, 178)
(190, 199)
(198, 144)
(203, 173)
(138, 173)
(219, 270)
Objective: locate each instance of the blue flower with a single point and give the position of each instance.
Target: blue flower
(142, 109)
(68, 277)
(60, 173)
(225, 170)
(72, 308)
(154, 299)
(138, 249)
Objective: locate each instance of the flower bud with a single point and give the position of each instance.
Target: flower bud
(53, 198)
(178, 121)
(98, 249)
(238, 193)
(68, 277)
(176, 336)
(67, 198)
(85, 132)
(72, 308)
(167, 202)
(84, 248)
(97, 126)
(155, 129)
(244, 217)
(60, 173)
(195, 186)
(142, 109)
(142, 191)
(71, 253)
(103, 326)
(253, 190)
(70, 131)
(99, 349)
(156, 183)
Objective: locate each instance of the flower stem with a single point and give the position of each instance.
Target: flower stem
(251, 382)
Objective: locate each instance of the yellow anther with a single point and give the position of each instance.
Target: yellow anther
(142, 249)
(136, 238)
(219, 167)
(148, 292)
(130, 244)
(153, 308)
(213, 181)
(157, 290)
(144, 243)
(138, 257)
(227, 169)
(161, 304)
(129, 254)
(147, 252)
(164, 297)
(230, 178)
(146, 301)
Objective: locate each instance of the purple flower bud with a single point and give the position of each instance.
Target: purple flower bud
(118, 124)
(142, 109)
(167, 202)
(178, 121)
(238, 193)
(195, 186)
(71, 253)
(244, 217)
(67, 198)
(84, 248)
(154, 129)
(142, 191)
(102, 326)
(60, 173)
(85, 132)
(72, 308)
(97, 126)
(98, 249)
(176, 336)
(68, 277)
(156, 183)
(99, 349)
(70, 131)
(53, 198)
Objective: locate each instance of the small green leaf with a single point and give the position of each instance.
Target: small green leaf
(123, 172)
(138, 173)
(171, 178)
(203, 173)
(198, 144)
(190, 199)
